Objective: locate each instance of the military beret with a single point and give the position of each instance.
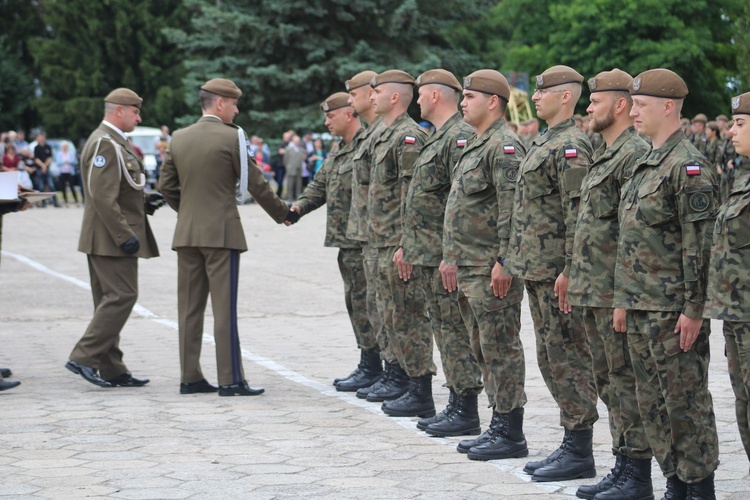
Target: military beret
(360, 80)
(700, 117)
(722, 117)
(615, 80)
(440, 77)
(335, 101)
(659, 82)
(741, 104)
(392, 76)
(488, 81)
(125, 97)
(222, 87)
(558, 75)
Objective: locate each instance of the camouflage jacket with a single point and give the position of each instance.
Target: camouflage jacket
(480, 203)
(332, 186)
(666, 217)
(592, 272)
(356, 228)
(700, 141)
(728, 291)
(546, 204)
(428, 192)
(393, 153)
(714, 152)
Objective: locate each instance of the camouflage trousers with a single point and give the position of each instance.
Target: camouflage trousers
(564, 358)
(673, 397)
(375, 307)
(461, 368)
(615, 383)
(352, 268)
(495, 332)
(405, 322)
(737, 337)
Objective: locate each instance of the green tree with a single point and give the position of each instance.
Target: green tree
(94, 47)
(743, 52)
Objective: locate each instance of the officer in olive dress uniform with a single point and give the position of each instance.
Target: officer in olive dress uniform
(199, 180)
(114, 234)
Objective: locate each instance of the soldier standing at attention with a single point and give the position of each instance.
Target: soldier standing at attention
(421, 247)
(114, 234)
(667, 215)
(698, 136)
(408, 393)
(591, 286)
(332, 186)
(475, 244)
(199, 181)
(728, 292)
(541, 249)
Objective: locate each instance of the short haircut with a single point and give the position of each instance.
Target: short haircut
(207, 99)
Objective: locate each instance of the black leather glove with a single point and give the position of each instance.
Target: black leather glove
(153, 202)
(292, 216)
(131, 246)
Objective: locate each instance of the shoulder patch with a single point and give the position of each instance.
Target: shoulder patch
(460, 143)
(100, 161)
(509, 150)
(699, 201)
(410, 140)
(693, 169)
(571, 152)
(511, 174)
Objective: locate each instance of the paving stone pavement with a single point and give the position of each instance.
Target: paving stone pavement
(61, 437)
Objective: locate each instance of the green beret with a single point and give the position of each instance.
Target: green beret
(360, 80)
(392, 76)
(440, 77)
(335, 101)
(615, 80)
(659, 82)
(700, 117)
(222, 87)
(741, 104)
(124, 97)
(558, 75)
(488, 81)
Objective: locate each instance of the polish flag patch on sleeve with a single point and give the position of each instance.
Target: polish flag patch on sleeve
(460, 143)
(410, 140)
(571, 153)
(509, 150)
(693, 169)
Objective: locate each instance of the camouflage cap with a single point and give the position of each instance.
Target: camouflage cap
(615, 80)
(359, 80)
(392, 76)
(440, 77)
(488, 81)
(558, 75)
(222, 87)
(700, 117)
(659, 82)
(335, 101)
(741, 104)
(124, 97)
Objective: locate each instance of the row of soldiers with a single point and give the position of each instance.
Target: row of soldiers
(439, 235)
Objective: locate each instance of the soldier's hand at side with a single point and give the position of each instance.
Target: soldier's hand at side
(154, 201)
(288, 221)
(131, 246)
(448, 273)
(500, 282)
(404, 269)
(618, 321)
(561, 292)
(688, 328)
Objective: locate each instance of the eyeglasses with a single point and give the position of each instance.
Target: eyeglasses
(541, 92)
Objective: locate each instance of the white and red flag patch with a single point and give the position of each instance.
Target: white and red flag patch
(693, 169)
(460, 143)
(410, 140)
(571, 153)
(509, 150)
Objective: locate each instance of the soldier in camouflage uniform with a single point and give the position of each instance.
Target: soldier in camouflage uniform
(332, 187)
(439, 93)
(666, 218)
(408, 392)
(475, 239)
(541, 249)
(698, 132)
(591, 284)
(728, 295)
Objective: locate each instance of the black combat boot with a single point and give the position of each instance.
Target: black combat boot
(416, 402)
(424, 422)
(590, 490)
(538, 464)
(575, 462)
(379, 383)
(703, 490)
(676, 489)
(507, 441)
(463, 421)
(370, 368)
(394, 386)
(467, 444)
(634, 482)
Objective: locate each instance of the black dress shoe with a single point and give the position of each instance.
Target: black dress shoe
(241, 389)
(6, 372)
(128, 380)
(197, 387)
(8, 384)
(89, 374)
